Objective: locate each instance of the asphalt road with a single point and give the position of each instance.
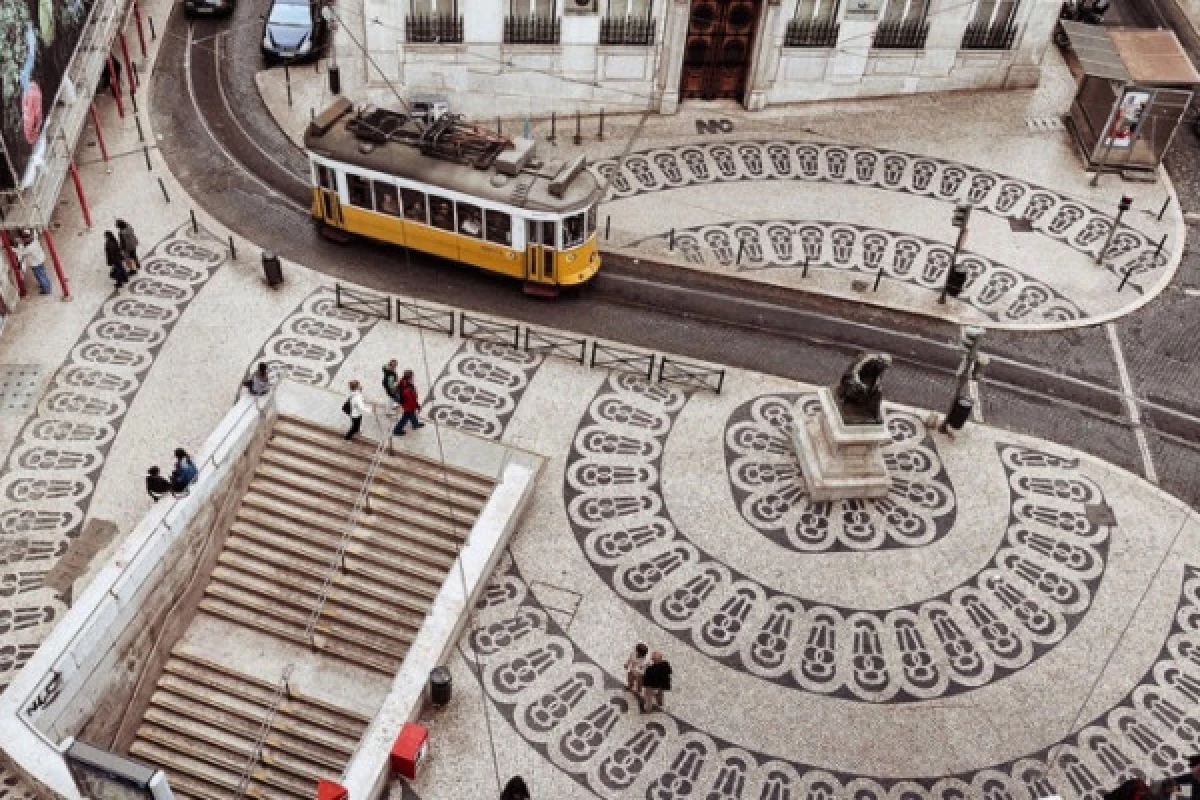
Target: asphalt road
(1138, 409)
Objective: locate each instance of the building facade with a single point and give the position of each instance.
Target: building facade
(516, 57)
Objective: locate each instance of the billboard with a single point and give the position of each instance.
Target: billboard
(37, 40)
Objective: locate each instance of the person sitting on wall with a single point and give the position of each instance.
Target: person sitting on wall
(156, 484)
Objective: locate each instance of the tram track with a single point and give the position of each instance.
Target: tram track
(803, 337)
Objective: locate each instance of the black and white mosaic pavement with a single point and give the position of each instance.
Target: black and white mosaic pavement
(1032, 592)
(1048, 212)
(1000, 292)
(770, 492)
(480, 387)
(50, 475)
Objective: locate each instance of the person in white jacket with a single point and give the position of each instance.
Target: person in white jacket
(33, 258)
(355, 406)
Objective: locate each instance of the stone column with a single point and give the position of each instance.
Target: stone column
(947, 23)
(383, 40)
(674, 41)
(765, 64)
(1036, 22)
(848, 62)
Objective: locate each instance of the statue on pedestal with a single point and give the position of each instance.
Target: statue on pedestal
(859, 393)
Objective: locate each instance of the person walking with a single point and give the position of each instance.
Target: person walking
(635, 665)
(655, 680)
(156, 484)
(129, 245)
(515, 789)
(185, 472)
(115, 260)
(391, 380)
(355, 406)
(33, 257)
(409, 404)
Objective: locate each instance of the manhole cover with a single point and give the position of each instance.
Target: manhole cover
(19, 387)
(1020, 224)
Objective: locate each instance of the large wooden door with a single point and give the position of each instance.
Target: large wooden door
(720, 41)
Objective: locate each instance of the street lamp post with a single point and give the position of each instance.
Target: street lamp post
(954, 280)
(1124, 205)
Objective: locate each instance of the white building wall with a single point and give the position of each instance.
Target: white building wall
(486, 78)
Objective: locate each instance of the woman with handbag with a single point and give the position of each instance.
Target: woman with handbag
(115, 260)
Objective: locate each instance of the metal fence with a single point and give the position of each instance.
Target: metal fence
(622, 30)
(690, 374)
(989, 37)
(364, 302)
(901, 35)
(433, 28)
(531, 30)
(811, 33)
(427, 317)
(556, 345)
(485, 329)
(635, 362)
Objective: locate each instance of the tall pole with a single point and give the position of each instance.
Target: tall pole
(1125, 203)
(83, 203)
(961, 215)
(99, 133)
(58, 268)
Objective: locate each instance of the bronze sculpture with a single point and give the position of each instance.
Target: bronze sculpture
(859, 393)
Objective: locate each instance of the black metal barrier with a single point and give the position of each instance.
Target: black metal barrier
(548, 343)
(622, 360)
(427, 317)
(691, 375)
(364, 302)
(484, 329)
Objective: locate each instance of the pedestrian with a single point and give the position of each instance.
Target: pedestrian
(409, 404)
(655, 680)
(355, 406)
(390, 381)
(635, 665)
(129, 245)
(260, 382)
(156, 484)
(185, 472)
(515, 789)
(1189, 783)
(115, 260)
(33, 257)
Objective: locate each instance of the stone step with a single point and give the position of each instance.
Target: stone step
(399, 590)
(437, 488)
(354, 608)
(273, 494)
(250, 617)
(331, 439)
(368, 542)
(320, 488)
(218, 766)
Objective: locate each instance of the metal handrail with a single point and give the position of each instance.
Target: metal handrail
(264, 730)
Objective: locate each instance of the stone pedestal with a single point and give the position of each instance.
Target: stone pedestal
(840, 461)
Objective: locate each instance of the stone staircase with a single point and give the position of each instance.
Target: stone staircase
(204, 719)
(292, 518)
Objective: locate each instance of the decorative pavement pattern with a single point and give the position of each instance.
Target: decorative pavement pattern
(998, 291)
(52, 469)
(769, 488)
(480, 387)
(1039, 581)
(1048, 212)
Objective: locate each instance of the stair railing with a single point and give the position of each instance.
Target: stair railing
(283, 690)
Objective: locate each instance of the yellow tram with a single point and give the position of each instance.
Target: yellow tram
(456, 191)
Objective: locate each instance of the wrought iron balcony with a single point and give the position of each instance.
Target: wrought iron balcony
(811, 33)
(984, 37)
(627, 30)
(531, 30)
(428, 28)
(901, 35)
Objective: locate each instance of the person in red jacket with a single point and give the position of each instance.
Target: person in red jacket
(409, 404)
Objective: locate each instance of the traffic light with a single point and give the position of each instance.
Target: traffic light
(961, 214)
(956, 280)
(970, 336)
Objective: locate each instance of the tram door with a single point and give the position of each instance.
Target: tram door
(331, 207)
(540, 237)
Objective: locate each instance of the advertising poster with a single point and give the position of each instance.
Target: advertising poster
(1123, 130)
(37, 40)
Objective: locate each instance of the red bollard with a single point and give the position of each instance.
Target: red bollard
(137, 17)
(99, 133)
(83, 204)
(132, 76)
(58, 270)
(18, 273)
(116, 87)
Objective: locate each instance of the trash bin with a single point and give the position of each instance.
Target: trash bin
(960, 412)
(272, 268)
(335, 79)
(956, 281)
(439, 686)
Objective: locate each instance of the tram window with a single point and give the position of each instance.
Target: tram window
(549, 234)
(325, 178)
(499, 231)
(360, 191)
(470, 220)
(591, 220)
(441, 213)
(573, 231)
(414, 205)
(387, 198)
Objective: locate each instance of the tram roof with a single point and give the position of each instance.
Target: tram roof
(529, 189)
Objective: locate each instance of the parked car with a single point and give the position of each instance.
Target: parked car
(197, 8)
(294, 30)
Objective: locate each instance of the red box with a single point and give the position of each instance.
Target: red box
(410, 749)
(328, 790)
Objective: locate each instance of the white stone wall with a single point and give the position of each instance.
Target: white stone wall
(486, 78)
